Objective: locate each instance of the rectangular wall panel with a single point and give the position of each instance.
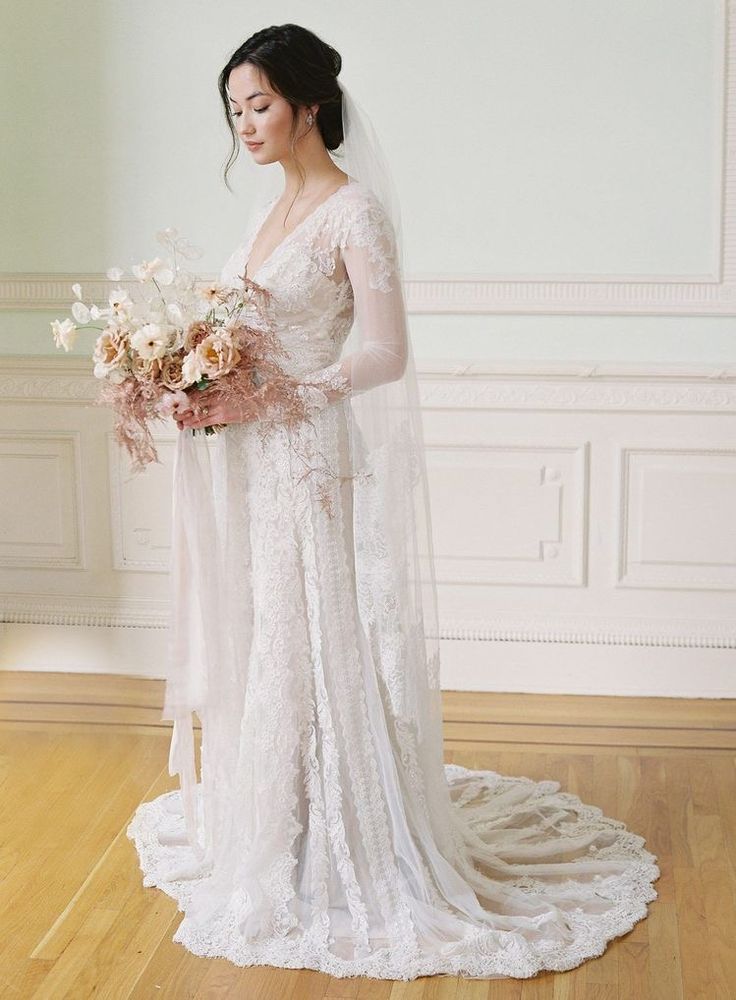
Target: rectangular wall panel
(40, 510)
(583, 526)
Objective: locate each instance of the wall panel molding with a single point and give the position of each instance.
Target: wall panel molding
(710, 293)
(675, 528)
(519, 385)
(692, 633)
(41, 523)
(543, 534)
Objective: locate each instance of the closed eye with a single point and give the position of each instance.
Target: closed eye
(236, 114)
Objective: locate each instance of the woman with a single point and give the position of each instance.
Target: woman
(326, 832)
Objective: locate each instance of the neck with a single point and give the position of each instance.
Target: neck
(318, 176)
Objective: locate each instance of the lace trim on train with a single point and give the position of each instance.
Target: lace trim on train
(483, 953)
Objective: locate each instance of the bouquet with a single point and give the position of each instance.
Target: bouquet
(172, 339)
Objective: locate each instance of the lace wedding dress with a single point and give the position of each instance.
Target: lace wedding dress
(336, 838)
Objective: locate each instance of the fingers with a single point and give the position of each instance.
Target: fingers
(197, 415)
(216, 411)
(195, 423)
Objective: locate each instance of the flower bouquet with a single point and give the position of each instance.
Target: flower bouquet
(173, 339)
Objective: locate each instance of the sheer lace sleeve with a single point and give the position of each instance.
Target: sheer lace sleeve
(368, 249)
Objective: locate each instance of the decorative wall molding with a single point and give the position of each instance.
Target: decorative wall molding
(459, 294)
(513, 428)
(692, 633)
(141, 536)
(41, 501)
(442, 293)
(709, 294)
(58, 609)
(579, 394)
(47, 379)
(548, 481)
(671, 518)
(684, 388)
(668, 294)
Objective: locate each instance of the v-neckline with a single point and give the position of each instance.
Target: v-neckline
(307, 218)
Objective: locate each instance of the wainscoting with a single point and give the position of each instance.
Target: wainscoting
(584, 526)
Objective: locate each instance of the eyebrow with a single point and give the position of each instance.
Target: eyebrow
(256, 93)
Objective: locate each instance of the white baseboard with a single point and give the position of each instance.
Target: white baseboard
(467, 665)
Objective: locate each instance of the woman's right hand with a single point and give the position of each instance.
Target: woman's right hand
(216, 408)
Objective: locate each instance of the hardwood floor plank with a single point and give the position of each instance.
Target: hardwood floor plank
(697, 972)
(77, 922)
(665, 970)
(718, 888)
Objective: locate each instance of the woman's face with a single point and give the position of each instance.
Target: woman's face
(260, 116)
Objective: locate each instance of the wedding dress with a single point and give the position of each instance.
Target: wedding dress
(336, 839)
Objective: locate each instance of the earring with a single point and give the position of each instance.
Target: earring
(309, 118)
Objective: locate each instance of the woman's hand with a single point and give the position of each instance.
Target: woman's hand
(210, 407)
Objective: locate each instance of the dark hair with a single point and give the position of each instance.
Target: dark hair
(302, 69)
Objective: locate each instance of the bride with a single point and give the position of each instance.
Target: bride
(325, 831)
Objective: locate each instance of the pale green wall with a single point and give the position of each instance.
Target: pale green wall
(493, 338)
(112, 129)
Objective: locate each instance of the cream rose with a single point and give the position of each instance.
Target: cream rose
(217, 355)
(65, 333)
(110, 353)
(145, 369)
(172, 373)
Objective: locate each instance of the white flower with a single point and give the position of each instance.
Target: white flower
(114, 273)
(142, 312)
(175, 314)
(80, 312)
(65, 333)
(77, 289)
(120, 301)
(96, 313)
(173, 402)
(152, 340)
(157, 269)
(191, 368)
(177, 339)
(213, 292)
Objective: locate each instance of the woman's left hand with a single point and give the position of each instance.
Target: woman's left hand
(210, 407)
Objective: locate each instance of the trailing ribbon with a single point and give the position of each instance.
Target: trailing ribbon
(193, 635)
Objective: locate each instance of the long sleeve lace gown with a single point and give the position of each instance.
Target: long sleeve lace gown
(336, 838)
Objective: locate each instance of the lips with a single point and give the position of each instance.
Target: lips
(253, 145)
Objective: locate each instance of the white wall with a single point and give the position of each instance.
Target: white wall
(567, 172)
(562, 141)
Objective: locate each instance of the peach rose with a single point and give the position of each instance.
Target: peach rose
(217, 355)
(172, 375)
(196, 334)
(110, 353)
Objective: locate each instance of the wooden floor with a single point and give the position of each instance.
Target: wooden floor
(78, 753)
